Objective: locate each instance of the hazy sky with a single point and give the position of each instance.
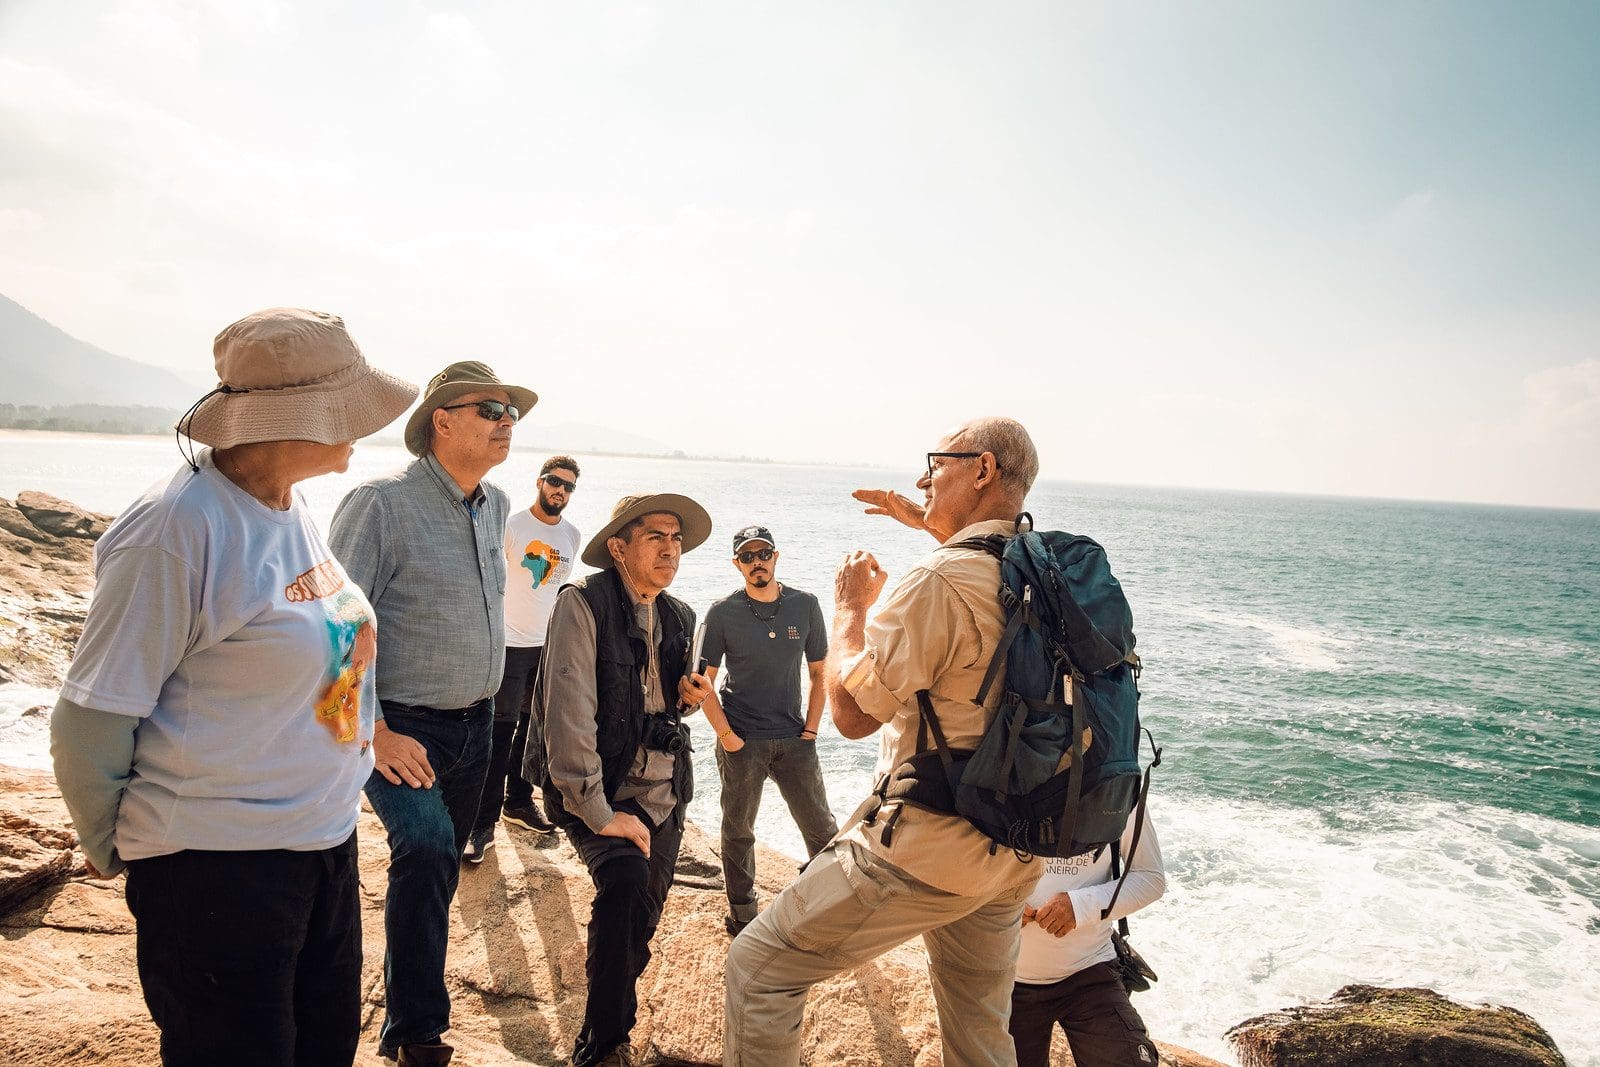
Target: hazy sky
(1343, 248)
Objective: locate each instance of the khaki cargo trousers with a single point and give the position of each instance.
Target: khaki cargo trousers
(850, 907)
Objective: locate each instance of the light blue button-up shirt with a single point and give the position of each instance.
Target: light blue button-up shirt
(428, 558)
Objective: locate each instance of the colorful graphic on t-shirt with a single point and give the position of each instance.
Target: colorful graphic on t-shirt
(355, 646)
(541, 561)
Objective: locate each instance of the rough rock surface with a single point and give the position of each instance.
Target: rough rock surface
(70, 995)
(61, 518)
(45, 579)
(1366, 1026)
(31, 857)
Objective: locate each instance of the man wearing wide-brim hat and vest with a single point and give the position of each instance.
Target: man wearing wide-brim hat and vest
(424, 545)
(617, 775)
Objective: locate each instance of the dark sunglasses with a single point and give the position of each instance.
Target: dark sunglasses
(559, 483)
(493, 410)
(953, 455)
(750, 556)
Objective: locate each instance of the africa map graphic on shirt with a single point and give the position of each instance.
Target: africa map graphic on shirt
(541, 561)
(354, 646)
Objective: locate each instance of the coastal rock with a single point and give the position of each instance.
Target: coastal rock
(62, 518)
(31, 857)
(20, 527)
(69, 990)
(1367, 1026)
(45, 582)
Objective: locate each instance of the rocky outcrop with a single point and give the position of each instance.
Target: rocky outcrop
(60, 518)
(46, 552)
(69, 990)
(31, 857)
(1366, 1026)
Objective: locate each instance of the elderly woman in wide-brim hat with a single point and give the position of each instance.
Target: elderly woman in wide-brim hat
(214, 730)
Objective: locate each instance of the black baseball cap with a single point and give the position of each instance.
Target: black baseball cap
(752, 533)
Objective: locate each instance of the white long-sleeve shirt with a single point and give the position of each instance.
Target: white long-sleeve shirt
(1045, 958)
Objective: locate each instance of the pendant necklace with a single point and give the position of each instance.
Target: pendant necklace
(777, 606)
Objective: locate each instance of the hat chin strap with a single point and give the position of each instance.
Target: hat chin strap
(627, 576)
(179, 433)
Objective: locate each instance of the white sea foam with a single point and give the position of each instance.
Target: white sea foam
(24, 729)
(1269, 907)
(1295, 646)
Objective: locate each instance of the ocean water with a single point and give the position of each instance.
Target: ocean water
(1378, 719)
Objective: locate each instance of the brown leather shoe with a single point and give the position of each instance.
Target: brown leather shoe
(432, 1054)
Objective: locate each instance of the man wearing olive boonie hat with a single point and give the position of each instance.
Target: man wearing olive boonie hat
(424, 544)
(616, 773)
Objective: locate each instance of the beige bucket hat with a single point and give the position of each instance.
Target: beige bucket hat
(287, 374)
(450, 385)
(692, 518)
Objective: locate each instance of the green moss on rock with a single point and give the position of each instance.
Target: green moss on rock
(1367, 1026)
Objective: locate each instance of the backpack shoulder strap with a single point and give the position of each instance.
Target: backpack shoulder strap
(1133, 845)
(995, 545)
(930, 721)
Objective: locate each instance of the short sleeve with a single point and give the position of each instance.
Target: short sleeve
(716, 643)
(141, 623)
(909, 643)
(817, 636)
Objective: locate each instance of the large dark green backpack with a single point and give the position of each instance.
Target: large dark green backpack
(1057, 771)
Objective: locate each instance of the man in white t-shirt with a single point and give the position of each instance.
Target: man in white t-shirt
(1066, 968)
(540, 548)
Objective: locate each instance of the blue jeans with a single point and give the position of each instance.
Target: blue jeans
(428, 830)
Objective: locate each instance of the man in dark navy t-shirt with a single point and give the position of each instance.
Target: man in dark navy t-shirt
(762, 630)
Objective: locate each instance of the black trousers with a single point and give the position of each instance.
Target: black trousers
(630, 891)
(251, 958)
(512, 723)
(1092, 1009)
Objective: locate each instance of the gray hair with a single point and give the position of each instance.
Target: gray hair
(1012, 447)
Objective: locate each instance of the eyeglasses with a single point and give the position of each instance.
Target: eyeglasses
(493, 410)
(953, 455)
(559, 483)
(751, 555)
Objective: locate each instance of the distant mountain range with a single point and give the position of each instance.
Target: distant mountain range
(50, 380)
(43, 365)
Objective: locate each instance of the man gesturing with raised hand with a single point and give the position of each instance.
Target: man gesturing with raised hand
(897, 871)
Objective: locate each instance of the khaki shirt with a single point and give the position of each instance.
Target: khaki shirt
(936, 631)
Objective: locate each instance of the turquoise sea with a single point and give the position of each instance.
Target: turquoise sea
(1379, 718)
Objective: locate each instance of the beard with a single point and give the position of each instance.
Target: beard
(761, 581)
(549, 508)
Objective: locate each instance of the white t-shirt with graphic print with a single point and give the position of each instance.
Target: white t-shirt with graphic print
(233, 633)
(539, 557)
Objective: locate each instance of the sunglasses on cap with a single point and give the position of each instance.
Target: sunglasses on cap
(751, 555)
(558, 483)
(493, 410)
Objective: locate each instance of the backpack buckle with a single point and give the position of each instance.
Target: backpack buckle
(874, 801)
(887, 836)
